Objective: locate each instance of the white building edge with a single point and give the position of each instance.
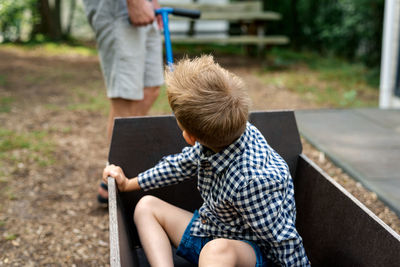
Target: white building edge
(389, 96)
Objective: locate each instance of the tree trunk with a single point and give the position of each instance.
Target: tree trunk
(72, 8)
(56, 16)
(49, 20)
(295, 23)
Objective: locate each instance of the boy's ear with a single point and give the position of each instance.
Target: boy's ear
(190, 139)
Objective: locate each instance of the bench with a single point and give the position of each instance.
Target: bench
(249, 16)
(337, 229)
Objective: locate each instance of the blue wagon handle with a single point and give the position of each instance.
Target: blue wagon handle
(164, 12)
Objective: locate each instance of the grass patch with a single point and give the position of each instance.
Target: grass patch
(10, 194)
(35, 78)
(53, 48)
(3, 80)
(89, 98)
(329, 66)
(66, 130)
(161, 105)
(67, 49)
(92, 103)
(329, 80)
(10, 237)
(3, 179)
(216, 49)
(32, 147)
(3, 189)
(5, 104)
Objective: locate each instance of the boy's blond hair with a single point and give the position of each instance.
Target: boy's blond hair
(209, 102)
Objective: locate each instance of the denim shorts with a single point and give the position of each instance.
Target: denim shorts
(190, 246)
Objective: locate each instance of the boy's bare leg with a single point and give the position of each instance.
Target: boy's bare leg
(159, 224)
(225, 252)
(128, 108)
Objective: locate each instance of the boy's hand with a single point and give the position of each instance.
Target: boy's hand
(116, 173)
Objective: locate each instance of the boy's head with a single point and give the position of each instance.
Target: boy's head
(209, 102)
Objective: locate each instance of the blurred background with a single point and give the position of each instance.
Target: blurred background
(348, 29)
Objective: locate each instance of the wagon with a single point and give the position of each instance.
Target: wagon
(337, 230)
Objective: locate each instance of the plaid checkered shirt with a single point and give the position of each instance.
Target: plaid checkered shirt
(247, 191)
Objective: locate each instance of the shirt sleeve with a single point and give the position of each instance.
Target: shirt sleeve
(260, 203)
(170, 170)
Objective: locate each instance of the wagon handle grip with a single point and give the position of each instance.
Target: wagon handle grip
(190, 13)
(164, 12)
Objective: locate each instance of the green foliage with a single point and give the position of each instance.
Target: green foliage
(13, 15)
(348, 28)
(34, 20)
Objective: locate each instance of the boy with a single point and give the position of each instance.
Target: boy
(248, 214)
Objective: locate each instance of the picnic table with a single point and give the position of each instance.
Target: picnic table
(249, 15)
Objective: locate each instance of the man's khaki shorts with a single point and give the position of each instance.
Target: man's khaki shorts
(130, 56)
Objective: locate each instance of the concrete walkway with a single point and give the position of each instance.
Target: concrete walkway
(365, 143)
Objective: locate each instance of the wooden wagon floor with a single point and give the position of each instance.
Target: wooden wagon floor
(364, 142)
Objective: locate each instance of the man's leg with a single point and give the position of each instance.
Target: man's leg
(159, 224)
(128, 108)
(225, 252)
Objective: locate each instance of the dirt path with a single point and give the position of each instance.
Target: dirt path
(57, 148)
(49, 213)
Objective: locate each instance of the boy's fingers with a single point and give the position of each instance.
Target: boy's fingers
(113, 171)
(106, 173)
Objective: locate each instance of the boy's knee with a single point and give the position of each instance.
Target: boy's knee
(218, 250)
(144, 207)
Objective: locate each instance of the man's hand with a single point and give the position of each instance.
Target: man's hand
(116, 173)
(141, 12)
(156, 5)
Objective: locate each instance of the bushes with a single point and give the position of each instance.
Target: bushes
(13, 15)
(36, 20)
(348, 28)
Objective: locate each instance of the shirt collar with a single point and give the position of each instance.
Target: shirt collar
(219, 161)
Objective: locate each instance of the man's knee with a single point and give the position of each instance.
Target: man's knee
(218, 250)
(145, 207)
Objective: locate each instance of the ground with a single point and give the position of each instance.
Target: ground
(53, 148)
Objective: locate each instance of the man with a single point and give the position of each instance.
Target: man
(130, 52)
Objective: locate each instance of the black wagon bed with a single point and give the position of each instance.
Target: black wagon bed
(337, 230)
